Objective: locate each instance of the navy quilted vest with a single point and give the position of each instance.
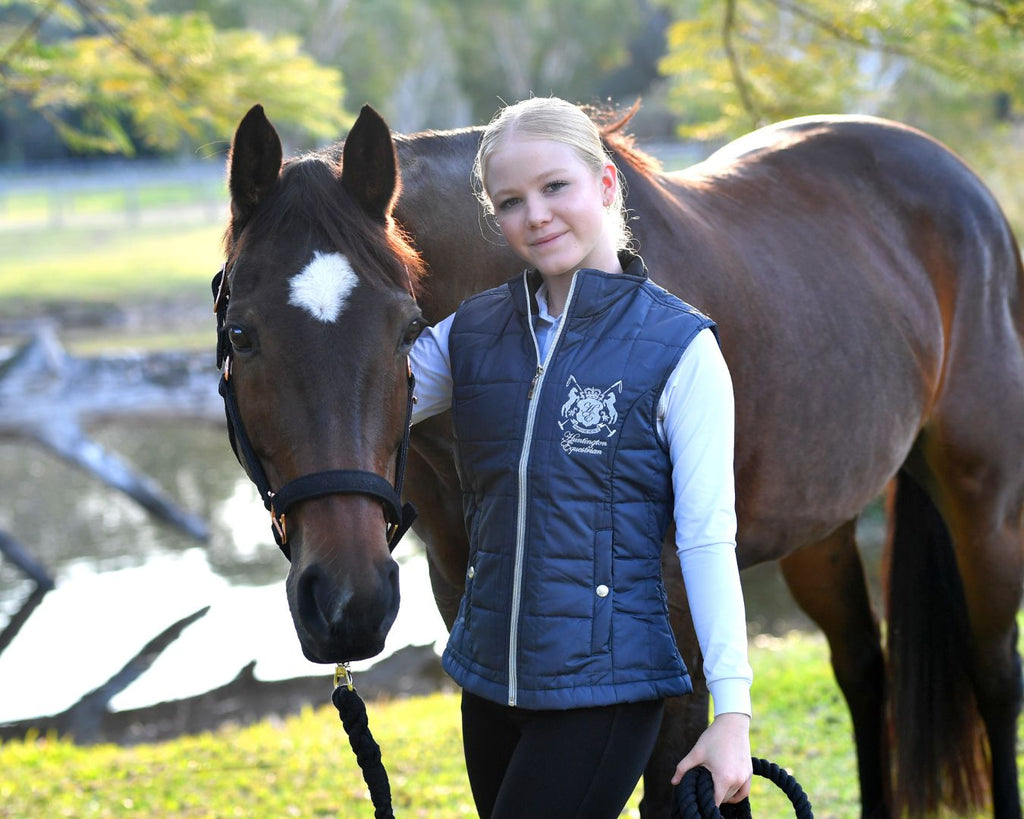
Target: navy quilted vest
(567, 494)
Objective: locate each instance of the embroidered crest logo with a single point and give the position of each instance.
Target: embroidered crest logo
(589, 417)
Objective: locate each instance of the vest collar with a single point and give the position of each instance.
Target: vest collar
(595, 290)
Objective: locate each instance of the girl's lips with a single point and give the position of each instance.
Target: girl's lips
(547, 239)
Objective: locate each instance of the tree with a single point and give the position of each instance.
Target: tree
(737, 64)
(114, 77)
(446, 63)
(509, 50)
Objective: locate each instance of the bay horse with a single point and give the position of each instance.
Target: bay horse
(870, 298)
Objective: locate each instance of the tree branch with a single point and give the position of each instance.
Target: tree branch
(845, 35)
(116, 34)
(29, 31)
(1012, 14)
(735, 66)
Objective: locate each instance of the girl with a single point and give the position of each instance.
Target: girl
(591, 409)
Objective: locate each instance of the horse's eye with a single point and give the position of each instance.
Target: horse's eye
(241, 342)
(412, 332)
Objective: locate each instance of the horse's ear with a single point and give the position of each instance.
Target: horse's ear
(369, 169)
(254, 164)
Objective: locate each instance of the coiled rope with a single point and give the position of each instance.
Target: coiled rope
(695, 795)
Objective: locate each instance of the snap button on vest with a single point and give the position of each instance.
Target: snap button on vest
(602, 590)
(471, 572)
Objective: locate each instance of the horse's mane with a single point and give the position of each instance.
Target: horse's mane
(612, 126)
(306, 202)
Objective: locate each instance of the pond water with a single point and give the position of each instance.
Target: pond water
(122, 577)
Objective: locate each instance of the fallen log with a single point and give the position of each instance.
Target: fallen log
(49, 397)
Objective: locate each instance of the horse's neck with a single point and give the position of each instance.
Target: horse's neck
(437, 208)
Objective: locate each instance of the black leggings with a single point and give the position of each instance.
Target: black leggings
(580, 763)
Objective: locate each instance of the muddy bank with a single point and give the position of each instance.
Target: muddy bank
(411, 671)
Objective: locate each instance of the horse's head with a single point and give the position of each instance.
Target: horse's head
(317, 316)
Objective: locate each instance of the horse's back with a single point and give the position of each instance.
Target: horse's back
(894, 169)
(861, 276)
(894, 194)
(912, 198)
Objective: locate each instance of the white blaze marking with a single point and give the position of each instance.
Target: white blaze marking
(323, 286)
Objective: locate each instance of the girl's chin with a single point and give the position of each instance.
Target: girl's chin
(557, 266)
(554, 272)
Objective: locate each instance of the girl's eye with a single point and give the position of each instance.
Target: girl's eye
(557, 185)
(508, 204)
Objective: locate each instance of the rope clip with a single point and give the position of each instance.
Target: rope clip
(343, 671)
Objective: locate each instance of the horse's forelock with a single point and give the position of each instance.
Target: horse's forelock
(309, 205)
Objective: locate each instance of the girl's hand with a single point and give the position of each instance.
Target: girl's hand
(724, 749)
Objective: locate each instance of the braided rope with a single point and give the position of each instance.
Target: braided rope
(695, 795)
(352, 712)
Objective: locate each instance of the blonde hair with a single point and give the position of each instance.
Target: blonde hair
(555, 119)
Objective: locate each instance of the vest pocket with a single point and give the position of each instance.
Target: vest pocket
(602, 592)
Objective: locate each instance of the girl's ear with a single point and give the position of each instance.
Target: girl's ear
(609, 184)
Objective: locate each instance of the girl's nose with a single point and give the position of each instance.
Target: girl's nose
(537, 212)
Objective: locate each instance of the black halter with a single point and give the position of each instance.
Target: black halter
(318, 484)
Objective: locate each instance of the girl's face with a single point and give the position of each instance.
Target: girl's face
(551, 207)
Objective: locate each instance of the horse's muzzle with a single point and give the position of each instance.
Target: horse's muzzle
(342, 619)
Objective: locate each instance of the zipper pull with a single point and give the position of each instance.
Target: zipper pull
(533, 384)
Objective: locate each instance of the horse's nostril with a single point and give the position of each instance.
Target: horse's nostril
(315, 600)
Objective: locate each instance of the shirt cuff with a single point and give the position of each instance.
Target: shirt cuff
(730, 695)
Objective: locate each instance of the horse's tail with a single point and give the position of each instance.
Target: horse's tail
(940, 750)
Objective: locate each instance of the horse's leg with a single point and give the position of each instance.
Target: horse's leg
(685, 717)
(827, 581)
(983, 510)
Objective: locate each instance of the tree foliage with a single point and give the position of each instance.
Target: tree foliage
(113, 78)
(113, 75)
(442, 63)
(510, 50)
(737, 64)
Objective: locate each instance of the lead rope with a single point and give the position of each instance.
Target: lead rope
(695, 796)
(352, 712)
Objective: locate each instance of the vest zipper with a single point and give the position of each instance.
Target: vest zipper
(524, 461)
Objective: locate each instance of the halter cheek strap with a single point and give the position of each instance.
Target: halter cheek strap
(399, 516)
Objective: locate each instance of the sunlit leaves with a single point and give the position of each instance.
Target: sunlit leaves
(736, 64)
(130, 77)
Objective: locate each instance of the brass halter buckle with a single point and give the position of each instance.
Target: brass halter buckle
(279, 523)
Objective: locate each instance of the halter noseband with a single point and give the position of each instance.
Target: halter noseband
(399, 516)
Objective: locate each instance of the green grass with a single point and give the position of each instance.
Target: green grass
(303, 767)
(37, 204)
(102, 264)
(151, 242)
(93, 272)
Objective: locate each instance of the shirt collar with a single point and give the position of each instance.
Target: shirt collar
(542, 305)
(595, 292)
